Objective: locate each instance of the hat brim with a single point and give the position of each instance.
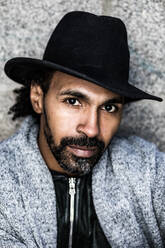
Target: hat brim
(18, 69)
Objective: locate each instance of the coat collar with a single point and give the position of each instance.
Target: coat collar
(37, 186)
(118, 189)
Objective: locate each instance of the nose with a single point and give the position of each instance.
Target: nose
(89, 124)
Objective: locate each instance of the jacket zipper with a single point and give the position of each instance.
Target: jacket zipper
(72, 192)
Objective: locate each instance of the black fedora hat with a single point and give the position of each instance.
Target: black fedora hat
(87, 46)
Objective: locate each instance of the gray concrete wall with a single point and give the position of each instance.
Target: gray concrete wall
(25, 26)
(145, 21)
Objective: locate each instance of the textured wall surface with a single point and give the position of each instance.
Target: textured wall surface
(25, 27)
(145, 21)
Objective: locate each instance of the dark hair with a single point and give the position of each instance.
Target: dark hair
(23, 106)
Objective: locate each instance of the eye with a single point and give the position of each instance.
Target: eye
(110, 108)
(72, 101)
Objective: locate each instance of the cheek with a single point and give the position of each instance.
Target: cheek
(108, 128)
(62, 123)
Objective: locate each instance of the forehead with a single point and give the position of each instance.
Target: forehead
(62, 81)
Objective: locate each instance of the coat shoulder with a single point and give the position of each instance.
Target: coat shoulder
(8, 149)
(137, 153)
(134, 145)
(10, 154)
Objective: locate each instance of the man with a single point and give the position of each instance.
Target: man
(66, 179)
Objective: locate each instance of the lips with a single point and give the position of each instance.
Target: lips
(82, 151)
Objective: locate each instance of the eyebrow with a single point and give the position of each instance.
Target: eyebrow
(75, 93)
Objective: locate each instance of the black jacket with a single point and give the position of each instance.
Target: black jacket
(77, 223)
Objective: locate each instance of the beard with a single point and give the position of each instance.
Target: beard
(71, 163)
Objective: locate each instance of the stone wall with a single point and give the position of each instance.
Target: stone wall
(25, 26)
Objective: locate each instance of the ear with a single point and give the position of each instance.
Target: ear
(36, 96)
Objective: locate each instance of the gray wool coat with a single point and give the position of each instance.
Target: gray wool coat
(128, 186)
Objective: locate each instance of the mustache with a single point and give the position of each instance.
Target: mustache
(83, 141)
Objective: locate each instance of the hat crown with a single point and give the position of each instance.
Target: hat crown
(90, 44)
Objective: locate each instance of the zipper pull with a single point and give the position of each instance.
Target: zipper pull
(72, 184)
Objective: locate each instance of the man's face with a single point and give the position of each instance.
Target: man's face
(78, 121)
